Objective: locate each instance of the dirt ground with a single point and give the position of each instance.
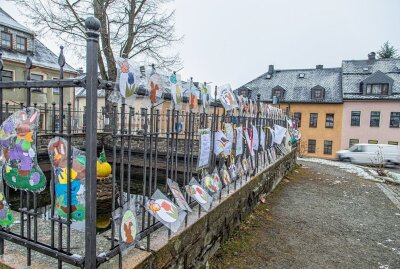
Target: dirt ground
(318, 217)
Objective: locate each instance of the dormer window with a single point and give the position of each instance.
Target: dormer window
(279, 92)
(6, 40)
(317, 93)
(378, 89)
(302, 75)
(21, 43)
(269, 76)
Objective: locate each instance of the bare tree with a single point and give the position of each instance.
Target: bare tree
(129, 28)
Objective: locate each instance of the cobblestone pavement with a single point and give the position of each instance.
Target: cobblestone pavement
(319, 217)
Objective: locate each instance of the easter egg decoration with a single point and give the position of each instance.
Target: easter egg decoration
(103, 167)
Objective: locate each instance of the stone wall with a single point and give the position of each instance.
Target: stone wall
(199, 241)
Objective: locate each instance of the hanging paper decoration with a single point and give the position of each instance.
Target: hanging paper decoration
(58, 156)
(216, 181)
(226, 178)
(212, 183)
(262, 138)
(193, 97)
(251, 107)
(239, 167)
(239, 141)
(127, 225)
(245, 166)
(227, 97)
(18, 141)
(155, 88)
(256, 141)
(233, 171)
(204, 148)
(249, 141)
(221, 144)
(176, 91)
(199, 194)
(241, 104)
(127, 85)
(179, 198)
(6, 217)
(164, 210)
(229, 132)
(205, 96)
(279, 134)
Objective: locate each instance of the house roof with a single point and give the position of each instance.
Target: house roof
(356, 71)
(41, 55)
(298, 90)
(8, 21)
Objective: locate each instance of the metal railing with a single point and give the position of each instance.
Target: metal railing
(145, 147)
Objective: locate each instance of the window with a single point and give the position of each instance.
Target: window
(278, 93)
(311, 145)
(395, 119)
(313, 120)
(393, 143)
(297, 118)
(7, 75)
(36, 77)
(6, 40)
(317, 93)
(378, 89)
(353, 142)
(355, 118)
(302, 75)
(328, 147)
(375, 119)
(372, 141)
(329, 120)
(21, 43)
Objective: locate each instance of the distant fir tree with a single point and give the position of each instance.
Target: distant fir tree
(387, 51)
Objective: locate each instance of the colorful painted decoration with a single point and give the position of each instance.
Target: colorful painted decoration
(249, 141)
(164, 210)
(176, 91)
(227, 97)
(212, 183)
(155, 88)
(6, 217)
(226, 178)
(245, 166)
(179, 198)
(204, 148)
(222, 145)
(240, 171)
(127, 85)
(199, 194)
(205, 95)
(193, 97)
(128, 227)
(58, 148)
(239, 141)
(256, 141)
(229, 132)
(18, 143)
(233, 171)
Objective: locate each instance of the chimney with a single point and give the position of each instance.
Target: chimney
(319, 66)
(371, 56)
(271, 69)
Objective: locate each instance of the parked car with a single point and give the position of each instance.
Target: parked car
(371, 154)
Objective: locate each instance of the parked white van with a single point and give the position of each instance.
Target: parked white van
(370, 154)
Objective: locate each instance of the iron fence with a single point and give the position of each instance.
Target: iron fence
(144, 147)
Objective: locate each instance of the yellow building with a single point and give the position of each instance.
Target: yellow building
(313, 97)
(16, 44)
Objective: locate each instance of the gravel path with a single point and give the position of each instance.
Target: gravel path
(319, 217)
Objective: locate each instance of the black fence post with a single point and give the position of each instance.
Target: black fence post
(92, 25)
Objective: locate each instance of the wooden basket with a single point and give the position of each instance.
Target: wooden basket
(104, 194)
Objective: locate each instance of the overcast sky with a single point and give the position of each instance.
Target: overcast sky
(232, 41)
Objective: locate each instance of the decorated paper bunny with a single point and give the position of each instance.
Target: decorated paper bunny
(18, 143)
(58, 157)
